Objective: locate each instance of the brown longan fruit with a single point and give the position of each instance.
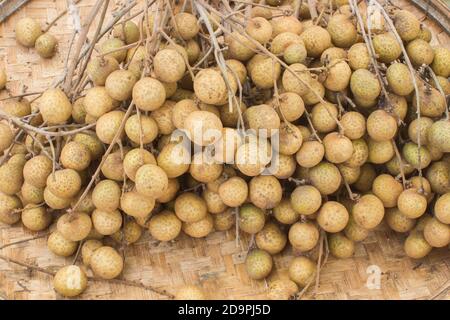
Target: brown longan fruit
(442, 208)
(64, 183)
(315, 94)
(354, 125)
(106, 195)
(323, 117)
(303, 236)
(163, 117)
(151, 181)
(342, 31)
(70, 281)
(263, 71)
(364, 84)
(149, 94)
(78, 111)
(407, 25)
(97, 102)
(424, 124)
(398, 222)
(99, 68)
(436, 233)
(290, 107)
(136, 158)
(380, 151)
(199, 229)
(387, 189)
(36, 170)
(75, 155)
(7, 136)
(239, 47)
(265, 192)
(233, 192)
(271, 238)
(296, 79)
(9, 208)
(109, 48)
(27, 31)
(310, 154)
(399, 79)
(164, 226)
(282, 289)
(127, 31)
(416, 246)
(262, 117)
(88, 248)
(316, 40)
(283, 40)
(18, 108)
(190, 292)
(204, 127)
(214, 203)
(181, 111)
(259, 264)
(440, 65)
(204, 169)
(225, 148)
(174, 159)
(119, 84)
(332, 217)
(190, 207)
(420, 52)
(108, 126)
(366, 177)
(92, 142)
(35, 218)
(381, 126)
(438, 174)
(432, 103)
(31, 194)
(54, 201)
(358, 56)
(325, 177)
(306, 200)
(285, 213)
(237, 69)
(252, 157)
(185, 25)
(438, 135)
(340, 246)
(106, 222)
(106, 263)
(113, 166)
(11, 178)
(386, 47)
(338, 148)
(141, 128)
(136, 205)
(169, 65)
(354, 232)
(411, 203)
(411, 152)
(224, 221)
(74, 226)
(61, 246)
(284, 23)
(46, 45)
(302, 271)
(295, 53)
(290, 139)
(368, 211)
(55, 107)
(284, 167)
(360, 154)
(251, 218)
(259, 29)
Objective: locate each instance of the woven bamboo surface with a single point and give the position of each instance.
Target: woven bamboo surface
(216, 263)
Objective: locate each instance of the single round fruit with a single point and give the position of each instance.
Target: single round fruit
(368, 211)
(149, 94)
(55, 107)
(76, 156)
(106, 263)
(387, 189)
(169, 65)
(412, 204)
(88, 249)
(99, 68)
(416, 246)
(436, 233)
(340, 246)
(204, 127)
(190, 208)
(27, 31)
(381, 126)
(199, 229)
(46, 45)
(310, 154)
(258, 264)
(407, 25)
(74, 226)
(265, 192)
(302, 271)
(398, 222)
(233, 192)
(64, 183)
(282, 289)
(306, 200)
(399, 79)
(35, 218)
(271, 239)
(251, 218)
(151, 181)
(136, 205)
(325, 177)
(119, 84)
(70, 281)
(316, 40)
(61, 246)
(442, 208)
(303, 236)
(338, 148)
(332, 217)
(386, 47)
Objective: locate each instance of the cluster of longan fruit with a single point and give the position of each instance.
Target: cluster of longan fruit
(349, 156)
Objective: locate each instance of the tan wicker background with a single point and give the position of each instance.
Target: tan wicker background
(214, 262)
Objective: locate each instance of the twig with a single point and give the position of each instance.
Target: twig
(59, 16)
(39, 236)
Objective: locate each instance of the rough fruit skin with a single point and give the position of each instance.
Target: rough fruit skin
(76, 156)
(355, 232)
(436, 233)
(128, 32)
(441, 62)
(61, 246)
(271, 239)
(106, 263)
(46, 45)
(399, 79)
(343, 32)
(258, 264)
(325, 177)
(106, 222)
(174, 159)
(438, 174)
(407, 25)
(54, 201)
(368, 211)
(119, 84)
(302, 271)
(442, 208)
(306, 200)
(411, 203)
(88, 248)
(233, 192)
(55, 107)
(189, 207)
(262, 117)
(296, 79)
(259, 29)
(27, 31)
(387, 189)
(165, 226)
(99, 68)
(112, 44)
(439, 135)
(149, 94)
(416, 246)
(303, 236)
(136, 205)
(169, 65)
(397, 221)
(74, 226)
(282, 289)
(365, 84)
(386, 47)
(70, 281)
(381, 126)
(316, 40)
(265, 192)
(151, 181)
(141, 127)
(108, 125)
(264, 71)
(204, 127)
(432, 103)
(338, 148)
(251, 218)
(420, 52)
(190, 292)
(97, 102)
(35, 218)
(411, 152)
(64, 183)
(332, 217)
(199, 229)
(106, 195)
(285, 24)
(358, 56)
(239, 47)
(36, 171)
(186, 25)
(340, 246)
(6, 135)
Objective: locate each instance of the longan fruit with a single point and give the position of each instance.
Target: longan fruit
(381, 126)
(413, 130)
(440, 63)
(399, 79)
(99, 68)
(283, 167)
(190, 292)
(291, 106)
(55, 107)
(127, 31)
(331, 54)
(315, 94)
(185, 25)
(259, 29)
(416, 246)
(420, 52)
(285, 213)
(233, 192)
(407, 25)
(75, 155)
(424, 34)
(338, 148)
(306, 200)
(171, 191)
(106, 222)
(325, 177)
(149, 94)
(264, 71)
(398, 222)
(436, 233)
(106, 263)
(295, 53)
(3, 79)
(265, 192)
(258, 264)
(284, 23)
(199, 229)
(432, 103)
(113, 166)
(88, 248)
(97, 102)
(262, 117)
(35, 218)
(92, 142)
(358, 56)
(141, 127)
(136, 205)
(354, 125)
(349, 174)
(225, 148)
(296, 79)
(204, 127)
(442, 208)
(365, 84)
(108, 125)
(18, 108)
(237, 69)
(360, 154)
(303, 236)
(353, 231)
(386, 47)
(164, 226)
(11, 178)
(214, 203)
(332, 217)
(129, 234)
(54, 201)
(368, 211)
(438, 174)
(411, 203)
(380, 151)
(204, 169)
(251, 218)
(290, 139)
(136, 158)
(174, 159)
(310, 154)
(411, 153)
(438, 135)
(163, 117)
(342, 31)
(224, 221)
(31, 194)
(78, 111)
(64, 183)
(27, 31)
(181, 111)
(9, 206)
(106, 195)
(7, 136)
(61, 246)
(239, 47)
(74, 226)
(46, 45)
(70, 281)
(169, 65)
(316, 40)
(366, 177)
(282, 289)
(302, 271)
(36, 170)
(189, 207)
(151, 181)
(323, 117)
(399, 105)
(109, 48)
(283, 40)
(271, 238)
(387, 189)
(119, 84)
(421, 183)
(340, 246)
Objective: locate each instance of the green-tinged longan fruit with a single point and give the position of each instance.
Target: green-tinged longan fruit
(386, 47)
(323, 117)
(199, 229)
(136, 205)
(416, 246)
(302, 271)
(36, 218)
(78, 111)
(398, 222)
(119, 84)
(412, 204)
(262, 117)
(31, 194)
(251, 218)
(303, 236)
(3, 79)
(61, 246)
(92, 142)
(54, 201)
(214, 203)
(295, 53)
(106, 195)
(64, 183)
(70, 281)
(340, 246)
(265, 192)
(393, 167)
(284, 23)
(424, 34)
(325, 177)
(399, 79)
(354, 231)
(420, 52)
(387, 189)
(432, 103)
(381, 126)
(424, 123)
(136, 158)
(189, 207)
(141, 128)
(46, 45)
(366, 177)
(271, 239)
(108, 125)
(106, 263)
(380, 151)
(190, 292)
(407, 25)
(163, 117)
(441, 62)
(316, 40)
(127, 31)
(438, 135)
(204, 127)
(264, 71)
(306, 200)
(310, 154)
(174, 159)
(233, 192)
(112, 45)
(186, 25)
(342, 31)
(332, 217)
(204, 169)
(368, 211)
(282, 289)
(411, 153)
(27, 31)
(149, 94)
(55, 107)
(6, 136)
(259, 29)
(151, 181)
(169, 65)
(74, 226)
(97, 102)
(76, 156)
(224, 221)
(438, 174)
(358, 56)
(284, 213)
(99, 68)
(283, 40)
(338, 76)
(436, 233)
(106, 222)
(36, 171)
(442, 208)
(258, 264)
(365, 84)
(88, 249)
(338, 148)
(296, 79)
(9, 209)
(165, 226)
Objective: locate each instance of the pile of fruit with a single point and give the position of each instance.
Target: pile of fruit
(303, 127)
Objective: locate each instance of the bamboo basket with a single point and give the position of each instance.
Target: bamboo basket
(216, 263)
